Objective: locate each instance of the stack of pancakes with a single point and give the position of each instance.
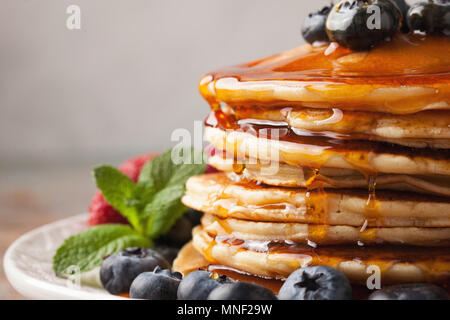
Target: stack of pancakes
(329, 157)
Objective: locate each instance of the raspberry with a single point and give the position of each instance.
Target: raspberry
(210, 169)
(100, 211)
(132, 167)
(210, 151)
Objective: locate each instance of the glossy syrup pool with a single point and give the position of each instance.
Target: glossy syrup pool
(405, 56)
(408, 60)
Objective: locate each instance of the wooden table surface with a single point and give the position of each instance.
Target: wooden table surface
(32, 197)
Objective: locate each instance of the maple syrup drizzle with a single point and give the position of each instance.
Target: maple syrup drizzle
(223, 222)
(356, 125)
(434, 261)
(420, 62)
(238, 167)
(357, 152)
(207, 252)
(316, 201)
(372, 206)
(309, 68)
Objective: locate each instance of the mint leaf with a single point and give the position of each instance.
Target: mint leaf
(151, 206)
(162, 184)
(162, 172)
(121, 192)
(164, 210)
(87, 249)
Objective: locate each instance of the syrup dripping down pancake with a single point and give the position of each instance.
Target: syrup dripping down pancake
(189, 259)
(407, 75)
(216, 194)
(319, 151)
(398, 264)
(380, 116)
(292, 176)
(422, 129)
(318, 235)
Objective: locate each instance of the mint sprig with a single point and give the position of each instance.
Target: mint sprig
(165, 182)
(121, 192)
(87, 249)
(151, 206)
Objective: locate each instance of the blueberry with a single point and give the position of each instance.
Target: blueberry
(412, 291)
(157, 285)
(313, 28)
(119, 270)
(354, 23)
(197, 285)
(168, 252)
(404, 7)
(316, 283)
(241, 291)
(432, 17)
(179, 234)
(194, 216)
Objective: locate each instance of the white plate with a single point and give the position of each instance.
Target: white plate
(28, 263)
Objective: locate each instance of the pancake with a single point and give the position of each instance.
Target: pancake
(279, 260)
(291, 176)
(217, 195)
(422, 129)
(368, 157)
(331, 157)
(315, 234)
(189, 259)
(406, 75)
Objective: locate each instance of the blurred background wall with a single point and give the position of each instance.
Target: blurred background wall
(121, 84)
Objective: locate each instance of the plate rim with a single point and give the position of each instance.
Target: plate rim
(26, 284)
